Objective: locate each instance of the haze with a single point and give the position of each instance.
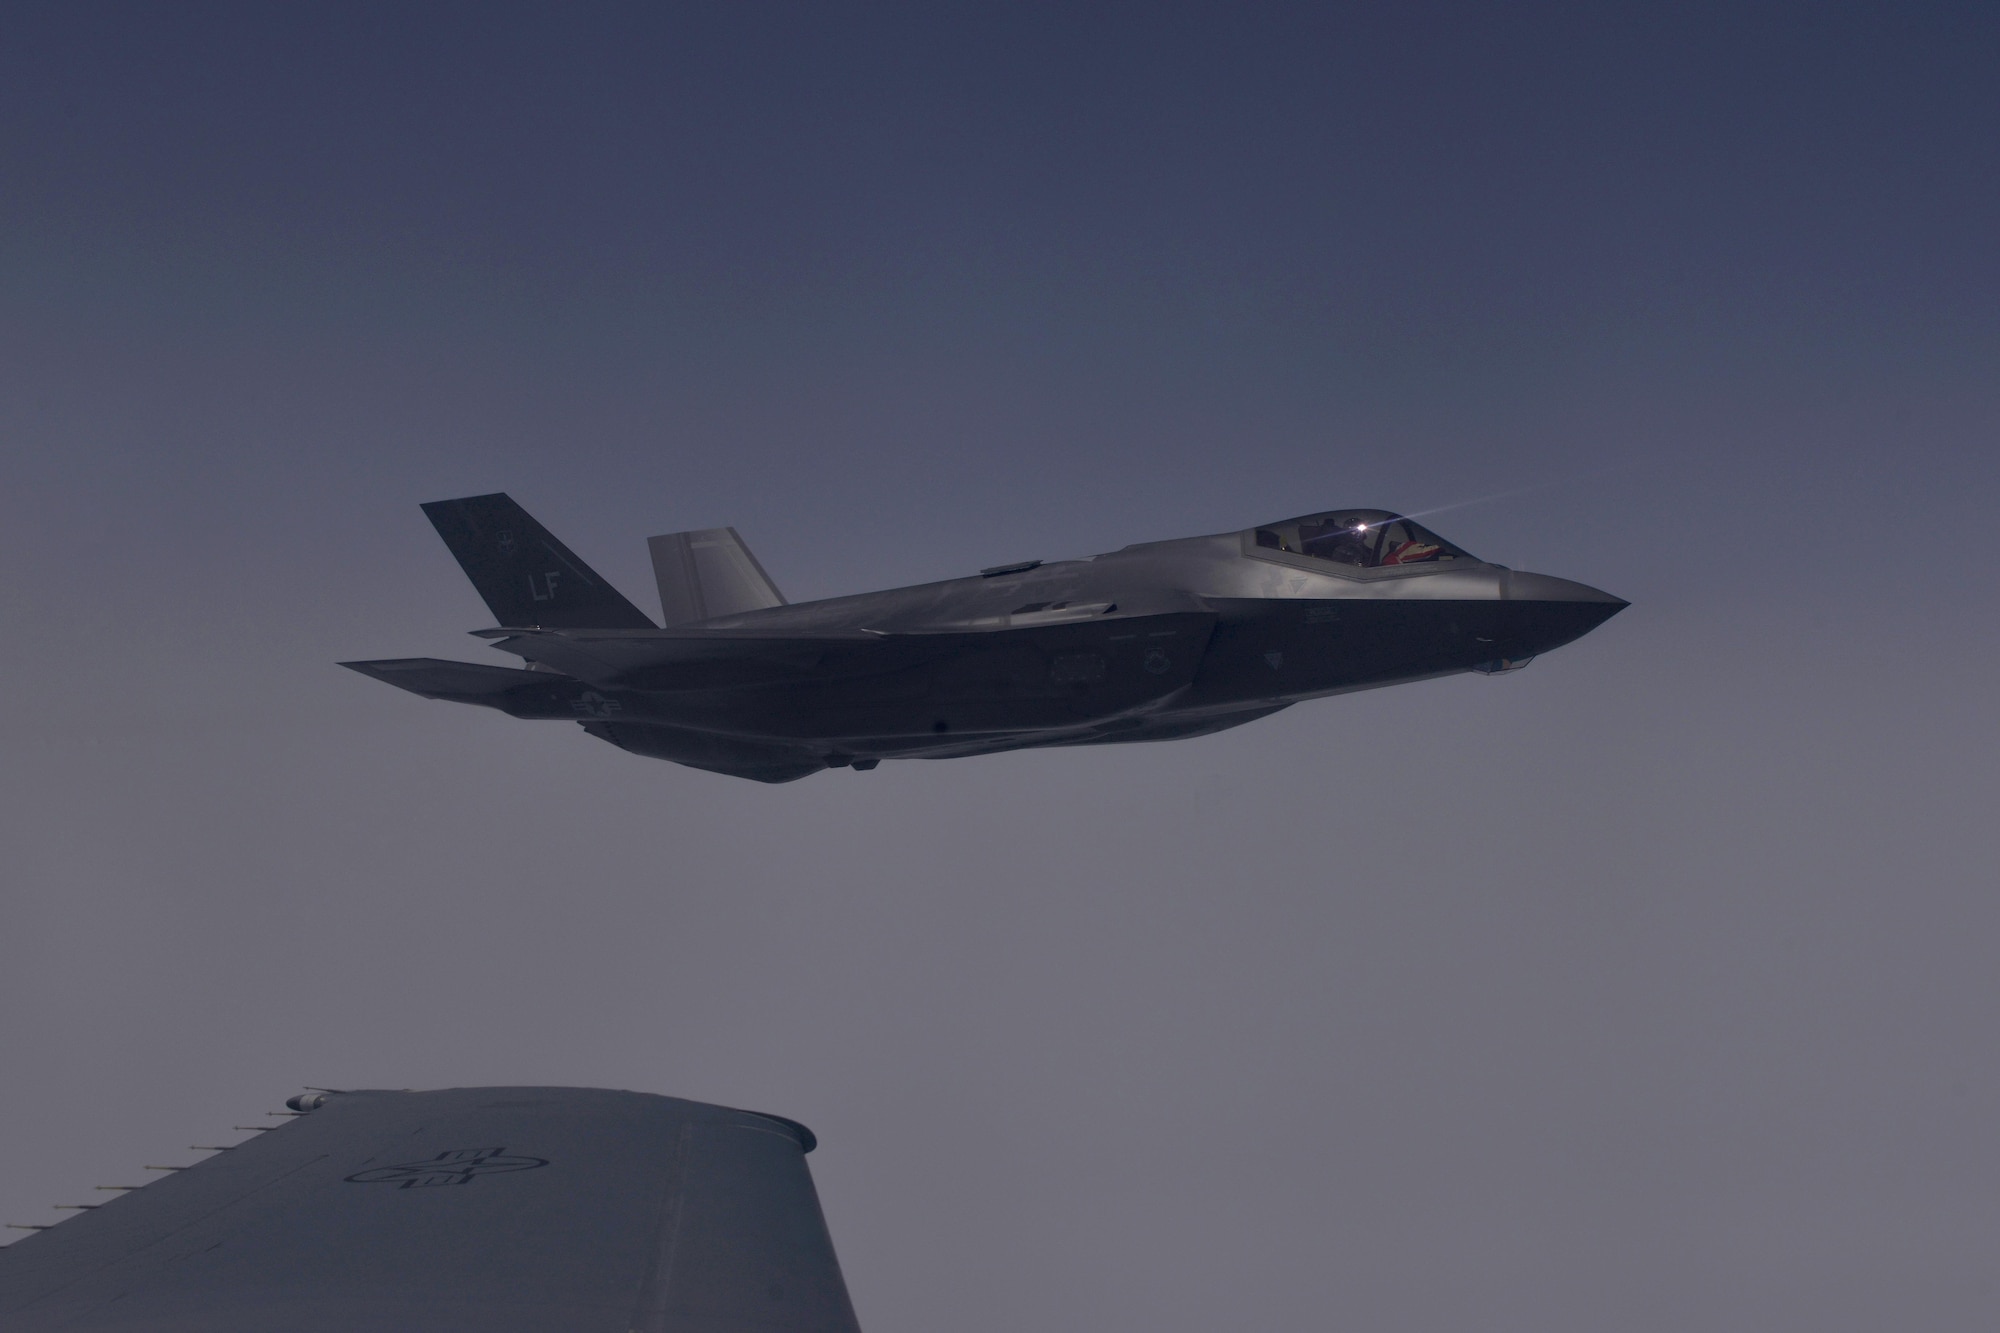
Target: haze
(1649, 988)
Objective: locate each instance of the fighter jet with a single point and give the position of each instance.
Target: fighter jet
(1158, 641)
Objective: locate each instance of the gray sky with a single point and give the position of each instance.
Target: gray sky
(1651, 988)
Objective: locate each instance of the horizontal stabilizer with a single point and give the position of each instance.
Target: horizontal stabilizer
(707, 574)
(524, 574)
(517, 693)
(435, 678)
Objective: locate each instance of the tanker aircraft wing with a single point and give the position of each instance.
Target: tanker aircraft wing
(500, 1210)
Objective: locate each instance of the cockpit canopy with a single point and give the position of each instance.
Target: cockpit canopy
(1361, 538)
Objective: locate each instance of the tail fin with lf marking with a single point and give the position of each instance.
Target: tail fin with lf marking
(526, 576)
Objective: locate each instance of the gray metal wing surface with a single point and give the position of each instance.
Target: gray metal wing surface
(504, 1210)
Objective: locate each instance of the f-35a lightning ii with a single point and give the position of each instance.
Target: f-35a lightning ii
(1154, 642)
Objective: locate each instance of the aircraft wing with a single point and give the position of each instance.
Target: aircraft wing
(683, 659)
(501, 1210)
(1158, 652)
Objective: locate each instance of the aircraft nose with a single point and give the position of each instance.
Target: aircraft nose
(1548, 612)
(1545, 588)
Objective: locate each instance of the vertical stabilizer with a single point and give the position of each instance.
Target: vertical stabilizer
(707, 574)
(524, 574)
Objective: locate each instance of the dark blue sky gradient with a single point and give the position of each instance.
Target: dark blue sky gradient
(1649, 988)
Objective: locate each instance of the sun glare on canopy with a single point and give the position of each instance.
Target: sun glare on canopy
(1362, 538)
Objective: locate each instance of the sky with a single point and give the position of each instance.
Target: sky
(1649, 988)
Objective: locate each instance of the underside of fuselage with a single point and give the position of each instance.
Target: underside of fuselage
(1159, 642)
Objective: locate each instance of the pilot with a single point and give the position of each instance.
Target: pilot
(1342, 543)
(1409, 552)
